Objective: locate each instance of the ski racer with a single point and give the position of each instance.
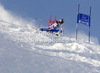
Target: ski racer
(58, 25)
(55, 27)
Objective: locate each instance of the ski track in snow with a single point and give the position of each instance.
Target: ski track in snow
(67, 48)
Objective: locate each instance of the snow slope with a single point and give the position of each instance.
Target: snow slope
(26, 50)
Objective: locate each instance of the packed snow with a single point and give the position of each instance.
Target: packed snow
(26, 50)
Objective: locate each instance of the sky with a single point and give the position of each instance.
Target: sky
(66, 9)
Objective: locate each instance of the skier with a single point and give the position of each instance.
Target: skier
(57, 25)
